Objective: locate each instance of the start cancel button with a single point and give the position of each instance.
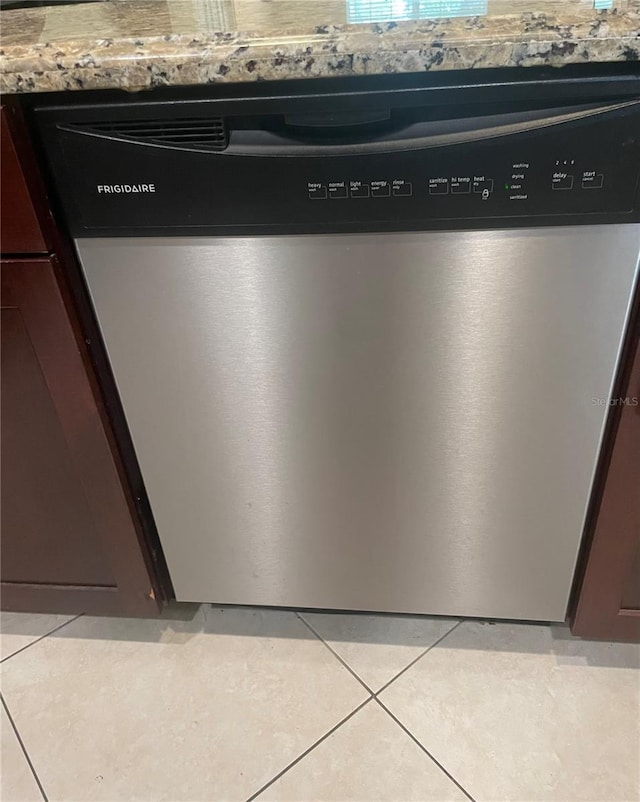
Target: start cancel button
(592, 180)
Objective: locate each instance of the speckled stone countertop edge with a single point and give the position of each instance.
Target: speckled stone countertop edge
(330, 51)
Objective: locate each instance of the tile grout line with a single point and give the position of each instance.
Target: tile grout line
(373, 695)
(336, 655)
(424, 749)
(419, 657)
(42, 637)
(310, 749)
(395, 677)
(22, 746)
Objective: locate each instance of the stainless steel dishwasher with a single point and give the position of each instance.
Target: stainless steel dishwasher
(364, 341)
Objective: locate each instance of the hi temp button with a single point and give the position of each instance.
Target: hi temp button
(460, 185)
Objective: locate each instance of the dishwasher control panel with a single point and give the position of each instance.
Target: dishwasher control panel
(186, 175)
(515, 185)
(536, 185)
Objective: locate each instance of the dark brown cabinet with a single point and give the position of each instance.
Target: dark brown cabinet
(21, 229)
(608, 591)
(42, 409)
(71, 540)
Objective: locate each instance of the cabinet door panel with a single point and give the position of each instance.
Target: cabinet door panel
(69, 541)
(21, 232)
(608, 594)
(48, 532)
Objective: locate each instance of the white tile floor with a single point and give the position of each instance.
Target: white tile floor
(242, 704)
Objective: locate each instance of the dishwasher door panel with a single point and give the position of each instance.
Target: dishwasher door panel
(396, 422)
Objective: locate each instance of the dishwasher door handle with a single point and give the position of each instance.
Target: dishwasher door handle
(417, 136)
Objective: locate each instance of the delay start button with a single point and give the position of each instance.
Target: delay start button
(561, 180)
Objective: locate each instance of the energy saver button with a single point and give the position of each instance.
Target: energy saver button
(380, 189)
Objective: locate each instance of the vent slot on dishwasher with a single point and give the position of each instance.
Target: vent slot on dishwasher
(189, 133)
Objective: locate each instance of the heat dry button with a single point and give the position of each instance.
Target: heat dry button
(592, 180)
(483, 185)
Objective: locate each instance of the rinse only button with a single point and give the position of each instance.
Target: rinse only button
(401, 188)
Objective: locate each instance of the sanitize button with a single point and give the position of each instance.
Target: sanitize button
(438, 186)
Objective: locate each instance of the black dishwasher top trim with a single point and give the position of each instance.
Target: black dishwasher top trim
(348, 161)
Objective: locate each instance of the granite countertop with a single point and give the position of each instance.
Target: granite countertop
(137, 44)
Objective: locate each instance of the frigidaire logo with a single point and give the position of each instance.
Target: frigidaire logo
(124, 189)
